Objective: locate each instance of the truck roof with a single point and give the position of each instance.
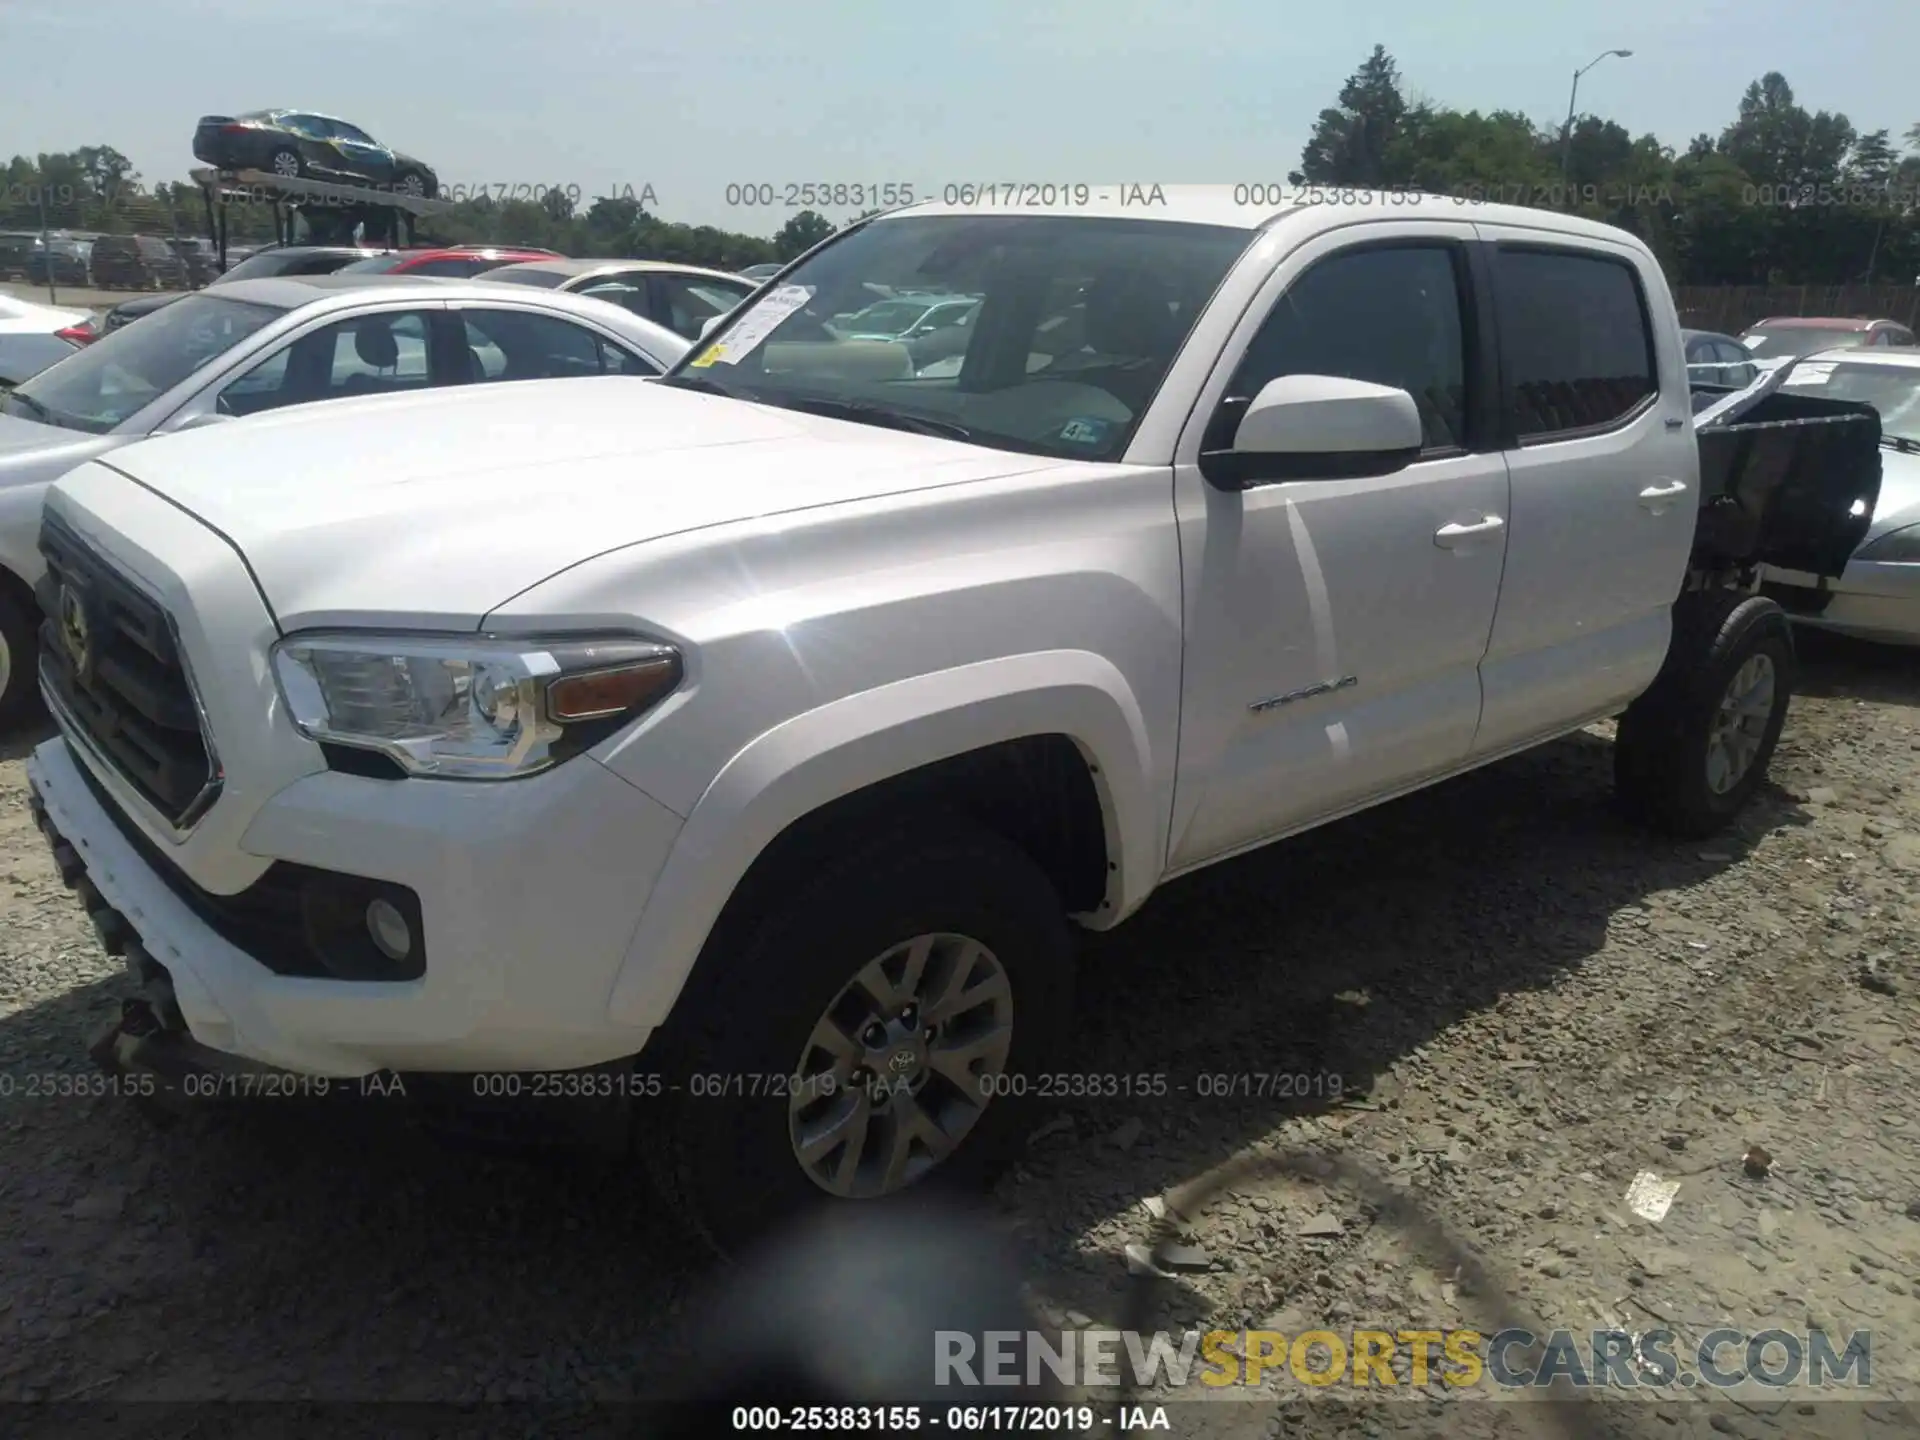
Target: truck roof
(1246, 207)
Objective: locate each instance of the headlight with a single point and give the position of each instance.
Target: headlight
(1900, 546)
(469, 707)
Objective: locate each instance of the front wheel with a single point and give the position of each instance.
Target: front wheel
(1691, 752)
(867, 1036)
(19, 651)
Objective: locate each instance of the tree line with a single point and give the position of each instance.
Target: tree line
(1781, 196)
(95, 188)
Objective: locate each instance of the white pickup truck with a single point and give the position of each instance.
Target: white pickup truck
(742, 747)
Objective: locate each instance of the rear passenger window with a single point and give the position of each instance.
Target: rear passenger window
(1390, 316)
(1574, 341)
(518, 345)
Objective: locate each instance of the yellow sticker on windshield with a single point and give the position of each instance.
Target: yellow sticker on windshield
(711, 355)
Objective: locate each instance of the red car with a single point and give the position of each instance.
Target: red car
(455, 260)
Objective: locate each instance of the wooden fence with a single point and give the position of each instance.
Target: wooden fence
(1729, 309)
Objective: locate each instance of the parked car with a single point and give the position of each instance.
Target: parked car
(259, 265)
(25, 353)
(1802, 335)
(137, 262)
(684, 298)
(1719, 360)
(239, 349)
(15, 247)
(762, 272)
(200, 256)
(817, 700)
(455, 261)
(61, 261)
(1878, 596)
(29, 317)
(907, 318)
(301, 144)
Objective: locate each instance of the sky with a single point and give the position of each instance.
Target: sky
(691, 99)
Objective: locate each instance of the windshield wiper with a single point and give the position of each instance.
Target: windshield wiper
(865, 412)
(14, 397)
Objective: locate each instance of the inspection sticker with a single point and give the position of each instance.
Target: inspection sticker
(745, 335)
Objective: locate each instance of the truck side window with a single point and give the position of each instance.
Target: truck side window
(1389, 315)
(1575, 344)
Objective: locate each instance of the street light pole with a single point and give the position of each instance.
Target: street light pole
(1566, 135)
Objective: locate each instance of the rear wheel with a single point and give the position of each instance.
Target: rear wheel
(865, 1036)
(19, 651)
(285, 163)
(1690, 752)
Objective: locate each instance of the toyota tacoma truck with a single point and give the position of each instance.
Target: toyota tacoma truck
(743, 747)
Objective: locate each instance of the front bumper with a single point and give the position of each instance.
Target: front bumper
(1871, 600)
(530, 892)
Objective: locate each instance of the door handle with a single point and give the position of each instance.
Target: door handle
(1655, 497)
(1449, 536)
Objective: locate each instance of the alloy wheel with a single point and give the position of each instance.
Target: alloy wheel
(901, 1066)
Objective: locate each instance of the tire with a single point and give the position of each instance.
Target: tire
(19, 662)
(411, 183)
(1670, 771)
(728, 1161)
(286, 163)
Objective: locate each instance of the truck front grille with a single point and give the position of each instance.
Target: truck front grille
(110, 660)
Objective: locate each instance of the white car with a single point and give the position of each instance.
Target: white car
(745, 745)
(684, 298)
(252, 346)
(25, 317)
(1878, 596)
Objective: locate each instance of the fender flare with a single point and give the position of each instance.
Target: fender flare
(823, 754)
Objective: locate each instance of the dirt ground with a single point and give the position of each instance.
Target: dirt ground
(1526, 1001)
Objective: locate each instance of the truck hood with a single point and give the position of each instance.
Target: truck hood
(435, 509)
(31, 451)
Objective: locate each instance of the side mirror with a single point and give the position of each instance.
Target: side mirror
(706, 325)
(1318, 427)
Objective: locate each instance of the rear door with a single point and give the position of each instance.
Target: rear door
(1605, 478)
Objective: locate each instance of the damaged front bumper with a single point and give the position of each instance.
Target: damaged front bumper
(150, 1049)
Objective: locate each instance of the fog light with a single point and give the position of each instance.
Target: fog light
(389, 929)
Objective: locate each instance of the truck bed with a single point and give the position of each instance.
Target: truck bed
(1786, 479)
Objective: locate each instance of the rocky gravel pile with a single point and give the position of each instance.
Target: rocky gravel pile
(1457, 1029)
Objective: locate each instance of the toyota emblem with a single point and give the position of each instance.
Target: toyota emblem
(76, 630)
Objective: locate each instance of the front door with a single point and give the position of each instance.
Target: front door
(1335, 627)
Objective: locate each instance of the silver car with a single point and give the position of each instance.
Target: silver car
(684, 298)
(1878, 598)
(254, 345)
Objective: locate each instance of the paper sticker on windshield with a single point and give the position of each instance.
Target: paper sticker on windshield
(745, 335)
(1085, 431)
(1811, 374)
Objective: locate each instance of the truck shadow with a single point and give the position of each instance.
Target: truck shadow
(1838, 667)
(341, 1249)
(1284, 984)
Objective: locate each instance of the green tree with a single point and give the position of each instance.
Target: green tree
(1350, 142)
(803, 230)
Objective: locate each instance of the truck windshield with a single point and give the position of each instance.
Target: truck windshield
(102, 385)
(1078, 320)
(1893, 390)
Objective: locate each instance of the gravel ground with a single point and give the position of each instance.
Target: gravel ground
(1526, 1002)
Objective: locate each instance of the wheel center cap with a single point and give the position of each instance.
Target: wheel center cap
(904, 1061)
